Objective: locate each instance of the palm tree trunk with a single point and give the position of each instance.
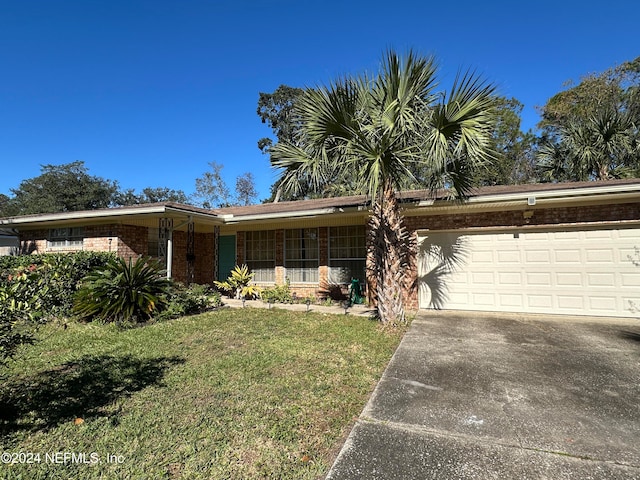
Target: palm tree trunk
(388, 257)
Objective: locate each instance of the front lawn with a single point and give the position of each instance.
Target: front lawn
(233, 394)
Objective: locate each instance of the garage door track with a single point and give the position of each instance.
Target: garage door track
(482, 396)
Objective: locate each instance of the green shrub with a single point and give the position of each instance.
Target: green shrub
(277, 293)
(20, 310)
(123, 292)
(50, 280)
(187, 300)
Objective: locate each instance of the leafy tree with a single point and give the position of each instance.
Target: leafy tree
(211, 189)
(514, 162)
(246, 189)
(379, 131)
(4, 205)
(62, 188)
(151, 195)
(277, 111)
(616, 89)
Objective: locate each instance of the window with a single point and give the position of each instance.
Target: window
(301, 255)
(260, 254)
(66, 237)
(347, 254)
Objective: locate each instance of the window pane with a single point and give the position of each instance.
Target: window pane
(302, 255)
(347, 253)
(260, 254)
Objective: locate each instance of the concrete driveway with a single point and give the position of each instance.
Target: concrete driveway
(488, 396)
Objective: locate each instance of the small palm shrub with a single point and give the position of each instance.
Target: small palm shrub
(123, 291)
(238, 284)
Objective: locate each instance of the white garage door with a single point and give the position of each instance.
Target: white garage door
(564, 272)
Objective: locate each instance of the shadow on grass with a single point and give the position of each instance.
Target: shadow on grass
(635, 336)
(79, 388)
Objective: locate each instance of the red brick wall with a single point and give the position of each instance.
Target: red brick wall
(132, 241)
(204, 258)
(541, 217)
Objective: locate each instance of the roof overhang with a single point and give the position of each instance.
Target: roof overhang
(111, 214)
(566, 197)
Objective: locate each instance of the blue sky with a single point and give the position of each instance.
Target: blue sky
(148, 92)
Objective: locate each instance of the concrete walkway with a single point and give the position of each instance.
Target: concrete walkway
(476, 396)
(361, 310)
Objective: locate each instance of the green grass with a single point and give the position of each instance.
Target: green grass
(232, 394)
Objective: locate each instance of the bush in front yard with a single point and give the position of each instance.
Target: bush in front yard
(48, 281)
(188, 300)
(123, 291)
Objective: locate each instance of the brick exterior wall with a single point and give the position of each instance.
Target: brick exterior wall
(205, 258)
(100, 238)
(130, 241)
(541, 217)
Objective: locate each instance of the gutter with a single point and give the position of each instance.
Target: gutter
(105, 213)
(231, 219)
(531, 198)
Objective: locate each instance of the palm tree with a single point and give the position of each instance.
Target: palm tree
(388, 132)
(604, 146)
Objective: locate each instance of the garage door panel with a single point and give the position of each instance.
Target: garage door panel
(630, 279)
(602, 304)
(539, 279)
(564, 236)
(482, 256)
(567, 256)
(601, 280)
(605, 255)
(574, 272)
(509, 257)
(569, 279)
(483, 299)
(482, 278)
(511, 300)
(540, 301)
(537, 256)
(509, 278)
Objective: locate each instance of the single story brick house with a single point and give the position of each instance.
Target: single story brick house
(562, 248)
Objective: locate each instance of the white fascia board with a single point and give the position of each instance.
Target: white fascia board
(631, 190)
(231, 219)
(105, 213)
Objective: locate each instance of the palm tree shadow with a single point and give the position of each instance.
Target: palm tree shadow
(440, 256)
(79, 388)
(629, 335)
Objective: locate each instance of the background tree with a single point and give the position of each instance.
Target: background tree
(211, 189)
(277, 111)
(514, 150)
(4, 205)
(379, 131)
(616, 89)
(151, 195)
(591, 130)
(246, 192)
(62, 188)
